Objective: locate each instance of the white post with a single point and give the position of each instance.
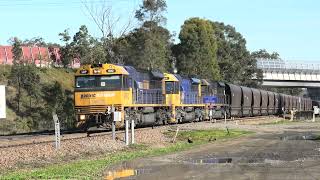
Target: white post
(314, 117)
(57, 130)
(225, 117)
(132, 131)
(127, 132)
(2, 102)
(175, 136)
(113, 130)
(57, 133)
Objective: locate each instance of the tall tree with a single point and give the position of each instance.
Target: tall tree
(81, 42)
(66, 51)
(111, 25)
(149, 46)
(234, 59)
(17, 50)
(25, 77)
(196, 52)
(147, 49)
(82, 47)
(30, 81)
(152, 11)
(16, 72)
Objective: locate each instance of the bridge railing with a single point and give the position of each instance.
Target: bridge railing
(287, 66)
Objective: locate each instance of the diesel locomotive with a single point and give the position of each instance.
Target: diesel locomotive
(155, 98)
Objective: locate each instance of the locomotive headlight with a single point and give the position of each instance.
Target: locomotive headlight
(96, 71)
(82, 117)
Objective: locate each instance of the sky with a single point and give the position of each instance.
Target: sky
(289, 27)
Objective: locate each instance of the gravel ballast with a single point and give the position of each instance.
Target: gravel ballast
(45, 153)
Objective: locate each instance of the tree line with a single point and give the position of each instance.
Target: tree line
(32, 98)
(206, 49)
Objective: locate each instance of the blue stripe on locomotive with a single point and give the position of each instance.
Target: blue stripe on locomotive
(210, 99)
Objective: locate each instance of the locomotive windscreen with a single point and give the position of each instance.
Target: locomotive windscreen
(110, 82)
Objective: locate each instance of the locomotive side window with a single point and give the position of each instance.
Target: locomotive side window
(172, 87)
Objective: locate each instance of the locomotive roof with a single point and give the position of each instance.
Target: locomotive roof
(101, 69)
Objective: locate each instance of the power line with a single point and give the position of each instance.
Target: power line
(55, 4)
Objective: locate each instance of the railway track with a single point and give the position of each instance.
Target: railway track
(67, 137)
(72, 136)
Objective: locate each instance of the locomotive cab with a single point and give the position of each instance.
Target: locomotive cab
(98, 91)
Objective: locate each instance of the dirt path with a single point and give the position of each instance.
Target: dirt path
(286, 151)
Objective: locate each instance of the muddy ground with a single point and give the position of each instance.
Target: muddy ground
(282, 151)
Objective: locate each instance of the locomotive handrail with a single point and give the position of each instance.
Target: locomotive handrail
(149, 96)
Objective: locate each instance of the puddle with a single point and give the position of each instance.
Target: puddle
(212, 161)
(123, 173)
(311, 137)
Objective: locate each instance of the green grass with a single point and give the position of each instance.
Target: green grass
(20, 122)
(206, 135)
(93, 169)
(65, 77)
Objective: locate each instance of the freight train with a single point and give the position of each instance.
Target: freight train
(108, 92)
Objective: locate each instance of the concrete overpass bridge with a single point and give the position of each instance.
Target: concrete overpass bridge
(280, 73)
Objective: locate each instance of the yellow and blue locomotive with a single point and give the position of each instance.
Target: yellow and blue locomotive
(148, 97)
(105, 91)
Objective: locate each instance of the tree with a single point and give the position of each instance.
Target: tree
(17, 50)
(36, 41)
(234, 59)
(15, 77)
(262, 53)
(152, 11)
(110, 25)
(146, 49)
(82, 47)
(196, 52)
(66, 51)
(52, 53)
(55, 97)
(95, 53)
(25, 77)
(30, 79)
(81, 43)
(149, 46)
